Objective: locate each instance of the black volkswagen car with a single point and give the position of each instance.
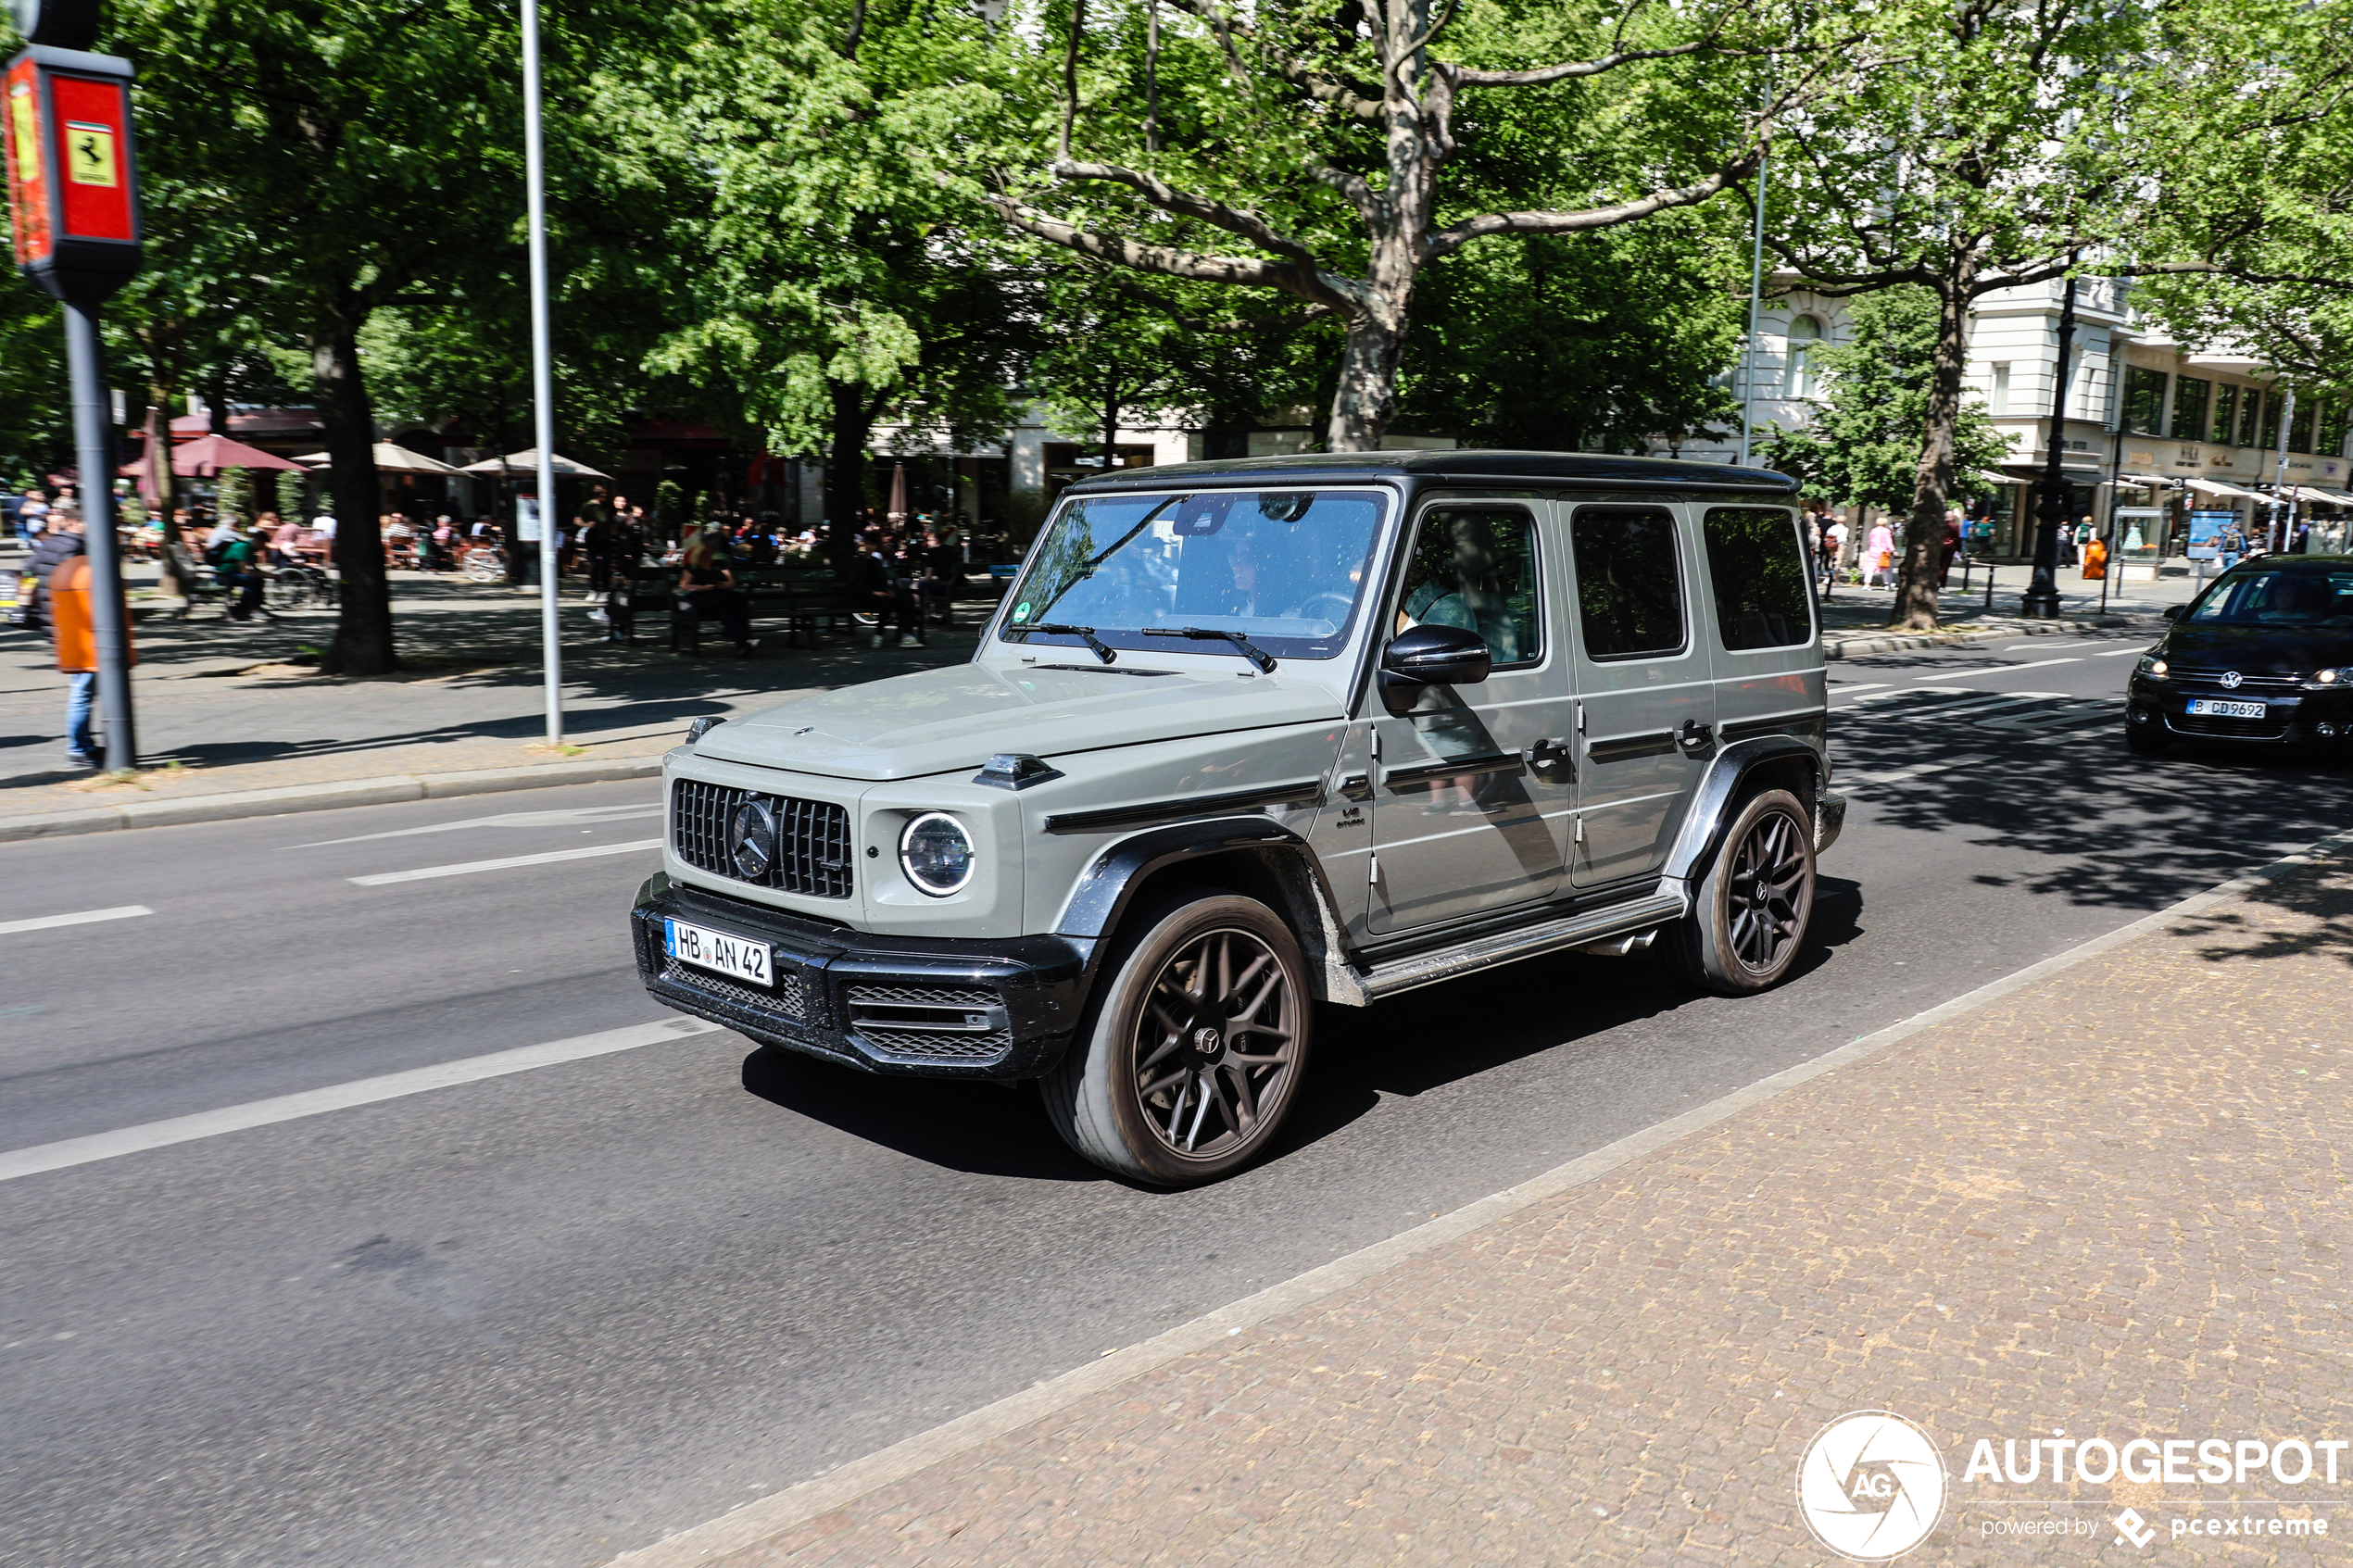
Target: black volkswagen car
(2263, 657)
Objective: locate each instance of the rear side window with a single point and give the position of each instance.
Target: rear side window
(1757, 566)
(1630, 585)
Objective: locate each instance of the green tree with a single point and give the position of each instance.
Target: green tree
(1334, 154)
(1863, 446)
(36, 434)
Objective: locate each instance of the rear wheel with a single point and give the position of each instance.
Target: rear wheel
(1751, 908)
(1194, 1051)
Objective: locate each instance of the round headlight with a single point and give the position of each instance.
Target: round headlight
(936, 854)
(2153, 667)
(2327, 677)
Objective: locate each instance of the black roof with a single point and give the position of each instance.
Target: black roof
(1598, 470)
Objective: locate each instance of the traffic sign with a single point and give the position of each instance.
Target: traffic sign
(73, 203)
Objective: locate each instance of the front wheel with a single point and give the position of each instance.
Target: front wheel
(1750, 911)
(1194, 1049)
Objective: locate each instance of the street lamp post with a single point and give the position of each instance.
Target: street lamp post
(2042, 601)
(542, 394)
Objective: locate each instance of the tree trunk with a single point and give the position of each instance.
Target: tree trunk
(363, 630)
(1366, 395)
(854, 427)
(1111, 421)
(163, 497)
(1921, 579)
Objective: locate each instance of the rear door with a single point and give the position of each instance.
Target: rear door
(1645, 695)
(1462, 824)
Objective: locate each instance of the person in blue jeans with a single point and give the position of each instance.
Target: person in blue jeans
(59, 545)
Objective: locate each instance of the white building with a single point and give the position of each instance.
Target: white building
(2200, 430)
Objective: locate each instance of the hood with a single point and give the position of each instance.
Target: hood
(953, 720)
(2258, 650)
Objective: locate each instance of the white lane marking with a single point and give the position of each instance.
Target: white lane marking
(2111, 653)
(341, 1097)
(466, 868)
(2009, 669)
(44, 923)
(1840, 689)
(510, 820)
(755, 1524)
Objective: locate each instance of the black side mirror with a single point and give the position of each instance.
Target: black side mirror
(2172, 612)
(1431, 655)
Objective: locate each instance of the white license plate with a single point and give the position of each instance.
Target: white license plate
(2218, 708)
(717, 951)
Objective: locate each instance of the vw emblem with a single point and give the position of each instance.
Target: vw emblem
(2232, 678)
(751, 839)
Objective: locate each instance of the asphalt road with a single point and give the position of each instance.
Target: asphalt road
(543, 1318)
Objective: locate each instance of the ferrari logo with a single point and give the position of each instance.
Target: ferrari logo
(90, 154)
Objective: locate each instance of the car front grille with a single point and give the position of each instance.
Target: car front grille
(813, 855)
(2266, 728)
(934, 1022)
(2211, 675)
(794, 999)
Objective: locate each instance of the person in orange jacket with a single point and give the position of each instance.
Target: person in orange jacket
(64, 572)
(2094, 561)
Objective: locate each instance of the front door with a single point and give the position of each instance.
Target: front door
(1646, 704)
(1463, 822)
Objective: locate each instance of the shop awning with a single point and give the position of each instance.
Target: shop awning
(2220, 487)
(2314, 493)
(2156, 481)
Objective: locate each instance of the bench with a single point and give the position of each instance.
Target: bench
(803, 600)
(203, 587)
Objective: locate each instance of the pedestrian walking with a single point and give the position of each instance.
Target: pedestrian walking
(1833, 551)
(594, 524)
(60, 580)
(1879, 557)
(1951, 546)
(873, 586)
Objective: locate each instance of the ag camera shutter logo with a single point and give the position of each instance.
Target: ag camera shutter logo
(1871, 1486)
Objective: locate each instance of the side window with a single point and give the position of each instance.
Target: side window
(1475, 567)
(1757, 566)
(1630, 585)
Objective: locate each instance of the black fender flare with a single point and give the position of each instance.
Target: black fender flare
(1719, 793)
(1303, 897)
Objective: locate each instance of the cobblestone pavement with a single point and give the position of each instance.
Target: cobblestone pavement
(220, 708)
(2111, 1203)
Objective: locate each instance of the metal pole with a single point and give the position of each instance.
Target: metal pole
(543, 394)
(1756, 307)
(2278, 475)
(94, 451)
(2042, 600)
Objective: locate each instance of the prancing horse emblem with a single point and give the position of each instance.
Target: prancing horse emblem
(2232, 678)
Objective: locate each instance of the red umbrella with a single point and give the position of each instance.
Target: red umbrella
(207, 456)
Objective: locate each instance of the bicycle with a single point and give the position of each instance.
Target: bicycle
(485, 563)
(301, 586)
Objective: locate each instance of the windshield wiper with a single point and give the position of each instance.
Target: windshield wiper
(1063, 629)
(1260, 656)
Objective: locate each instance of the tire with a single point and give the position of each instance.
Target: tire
(1751, 911)
(1161, 1087)
(2147, 740)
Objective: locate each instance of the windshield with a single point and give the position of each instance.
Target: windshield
(1284, 569)
(2291, 598)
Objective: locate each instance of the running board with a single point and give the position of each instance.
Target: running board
(1573, 931)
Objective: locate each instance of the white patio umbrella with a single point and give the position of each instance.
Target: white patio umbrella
(389, 460)
(528, 462)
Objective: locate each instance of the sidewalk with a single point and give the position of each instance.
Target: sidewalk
(1855, 619)
(223, 708)
(2110, 1202)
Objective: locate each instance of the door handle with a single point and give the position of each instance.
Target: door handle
(1694, 737)
(1548, 753)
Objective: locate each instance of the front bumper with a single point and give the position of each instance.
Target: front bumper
(922, 1007)
(2290, 717)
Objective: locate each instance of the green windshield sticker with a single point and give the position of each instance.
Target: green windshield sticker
(1020, 612)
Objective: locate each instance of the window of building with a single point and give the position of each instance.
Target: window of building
(1763, 598)
(2333, 427)
(2189, 399)
(2144, 401)
(1475, 568)
(1630, 585)
(2227, 412)
(2300, 429)
(2000, 402)
(2270, 441)
(2250, 416)
(1798, 375)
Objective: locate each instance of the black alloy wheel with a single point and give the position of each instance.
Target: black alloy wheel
(1751, 908)
(1194, 1048)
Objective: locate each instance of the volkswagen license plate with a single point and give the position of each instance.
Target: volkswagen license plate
(717, 951)
(2214, 707)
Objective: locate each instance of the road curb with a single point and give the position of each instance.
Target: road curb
(385, 790)
(771, 1516)
(1897, 642)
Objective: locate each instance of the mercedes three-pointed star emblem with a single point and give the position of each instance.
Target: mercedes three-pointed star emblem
(751, 839)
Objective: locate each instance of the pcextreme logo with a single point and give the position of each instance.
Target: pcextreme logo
(1871, 1486)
